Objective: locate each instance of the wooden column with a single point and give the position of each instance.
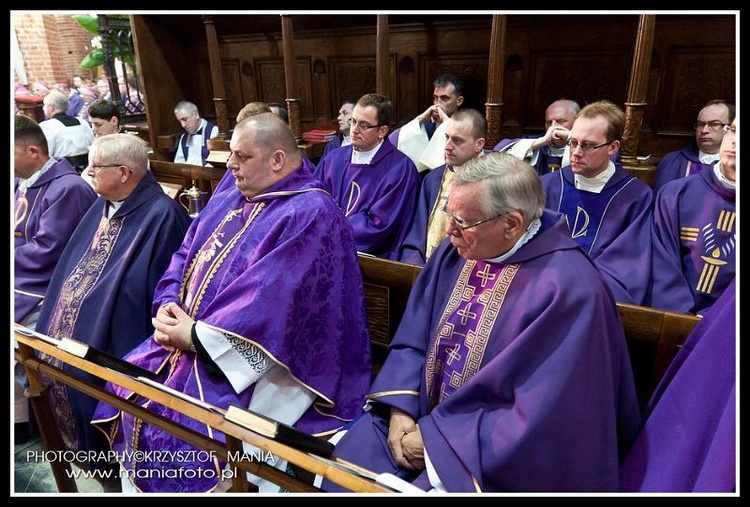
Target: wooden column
(636, 101)
(217, 79)
(495, 77)
(292, 102)
(381, 57)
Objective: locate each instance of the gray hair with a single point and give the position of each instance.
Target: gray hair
(511, 184)
(125, 149)
(57, 100)
(187, 106)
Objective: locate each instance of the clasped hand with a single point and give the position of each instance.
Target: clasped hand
(172, 327)
(405, 441)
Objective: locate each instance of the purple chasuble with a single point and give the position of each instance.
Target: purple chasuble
(543, 397)
(377, 198)
(279, 273)
(45, 217)
(678, 164)
(613, 227)
(102, 288)
(688, 440)
(694, 238)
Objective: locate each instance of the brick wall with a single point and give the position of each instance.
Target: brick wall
(52, 46)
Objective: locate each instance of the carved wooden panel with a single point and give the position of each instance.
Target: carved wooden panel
(470, 68)
(697, 75)
(271, 85)
(351, 77)
(585, 76)
(232, 72)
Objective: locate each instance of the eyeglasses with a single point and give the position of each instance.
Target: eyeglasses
(104, 166)
(585, 147)
(730, 128)
(459, 222)
(712, 125)
(361, 125)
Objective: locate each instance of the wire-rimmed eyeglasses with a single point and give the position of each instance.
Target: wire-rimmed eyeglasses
(585, 147)
(459, 223)
(362, 125)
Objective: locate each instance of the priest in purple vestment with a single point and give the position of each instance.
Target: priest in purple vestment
(509, 371)
(465, 133)
(695, 235)
(50, 200)
(688, 440)
(103, 285)
(262, 306)
(373, 183)
(704, 152)
(608, 210)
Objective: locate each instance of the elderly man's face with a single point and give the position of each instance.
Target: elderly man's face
(483, 240)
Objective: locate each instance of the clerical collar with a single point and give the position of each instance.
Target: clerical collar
(23, 185)
(595, 184)
(112, 207)
(531, 231)
(365, 157)
(708, 158)
(346, 141)
(557, 152)
(723, 180)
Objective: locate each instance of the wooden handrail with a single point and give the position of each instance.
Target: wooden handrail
(303, 460)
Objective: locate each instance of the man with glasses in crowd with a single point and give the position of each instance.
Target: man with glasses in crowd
(372, 182)
(695, 234)
(499, 379)
(607, 209)
(709, 127)
(102, 289)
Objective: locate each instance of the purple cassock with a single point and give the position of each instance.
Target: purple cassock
(687, 443)
(694, 241)
(102, 288)
(46, 215)
(284, 278)
(613, 227)
(414, 246)
(678, 164)
(519, 382)
(378, 198)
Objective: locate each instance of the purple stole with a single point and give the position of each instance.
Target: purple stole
(63, 320)
(584, 211)
(457, 350)
(204, 149)
(213, 253)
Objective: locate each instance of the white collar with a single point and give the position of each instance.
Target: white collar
(595, 184)
(531, 231)
(365, 157)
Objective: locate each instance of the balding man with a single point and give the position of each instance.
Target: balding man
(101, 290)
(261, 307)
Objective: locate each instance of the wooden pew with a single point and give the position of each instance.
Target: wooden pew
(653, 336)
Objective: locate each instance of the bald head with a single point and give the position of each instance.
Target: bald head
(263, 151)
